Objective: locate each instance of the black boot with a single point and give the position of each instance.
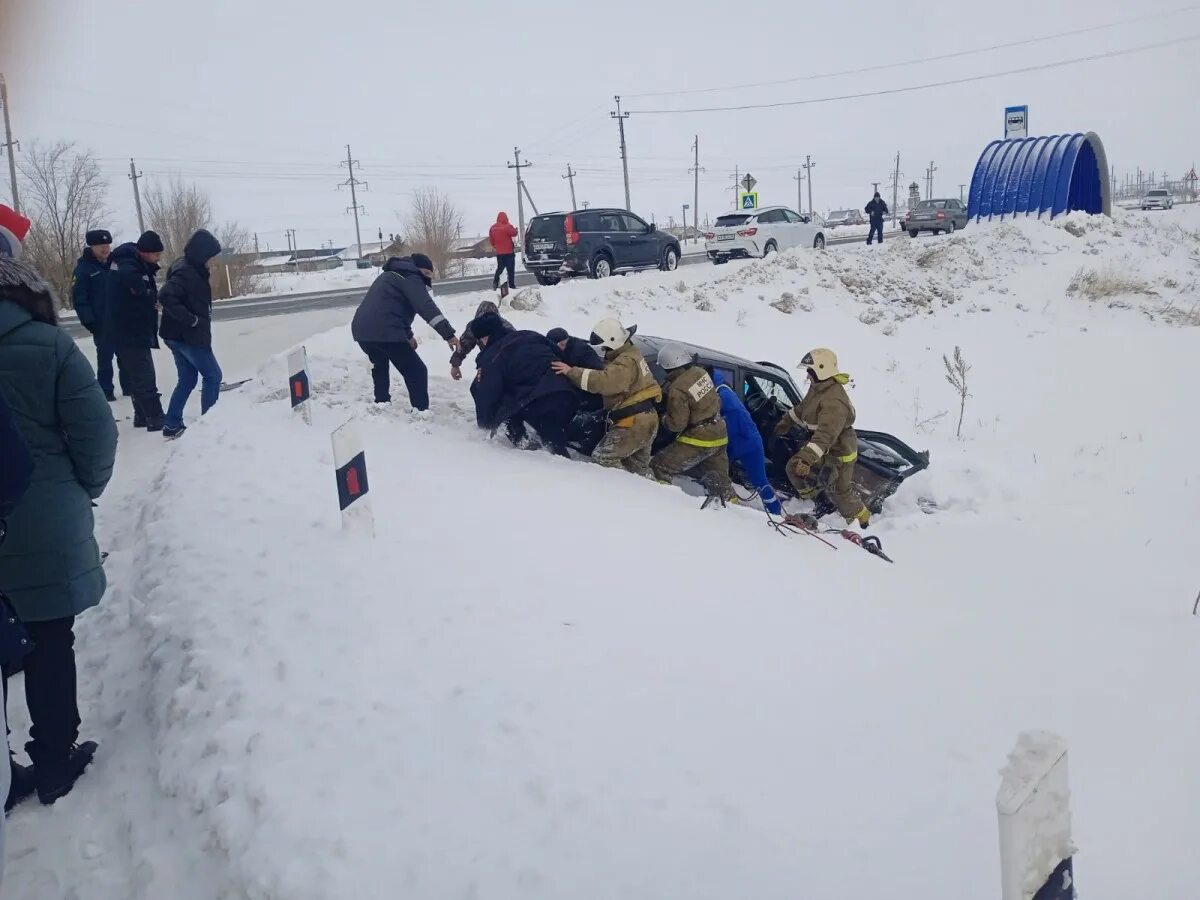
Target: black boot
(56, 778)
(154, 423)
(23, 784)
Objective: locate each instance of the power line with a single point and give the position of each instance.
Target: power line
(958, 54)
(926, 86)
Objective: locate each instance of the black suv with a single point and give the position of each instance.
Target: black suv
(884, 461)
(596, 243)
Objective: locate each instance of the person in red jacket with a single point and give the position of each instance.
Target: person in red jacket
(501, 236)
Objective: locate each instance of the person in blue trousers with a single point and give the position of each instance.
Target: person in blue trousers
(186, 300)
(745, 443)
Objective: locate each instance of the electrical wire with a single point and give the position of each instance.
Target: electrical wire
(1040, 67)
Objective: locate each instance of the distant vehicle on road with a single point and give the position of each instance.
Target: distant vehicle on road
(761, 233)
(937, 216)
(1158, 198)
(596, 243)
(840, 217)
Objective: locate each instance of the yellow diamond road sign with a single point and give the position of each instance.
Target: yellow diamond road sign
(749, 200)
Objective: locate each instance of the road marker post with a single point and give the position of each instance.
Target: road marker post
(350, 464)
(299, 389)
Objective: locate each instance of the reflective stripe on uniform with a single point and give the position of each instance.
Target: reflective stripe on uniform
(815, 449)
(848, 458)
(583, 379)
(650, 393)
(794, 417)
(700, 442)
(436, 321)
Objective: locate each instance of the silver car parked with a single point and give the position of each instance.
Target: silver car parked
(1158, 198)
(937, 216)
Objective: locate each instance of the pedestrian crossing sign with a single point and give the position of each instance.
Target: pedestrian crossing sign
(749, 199)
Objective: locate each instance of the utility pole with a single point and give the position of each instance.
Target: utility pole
(876, 184)
(256, 243)
(10, 145)
(570, 176)
(621, 117)
(134, 175)
(517, 166)
(808, 166)
(896, 190)
(737, 179)
(350, 163)
(929, 180)
(696, 189)
(683, 225)
(799, 179)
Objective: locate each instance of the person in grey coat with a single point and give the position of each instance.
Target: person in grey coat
(382, 326)
(50, 562)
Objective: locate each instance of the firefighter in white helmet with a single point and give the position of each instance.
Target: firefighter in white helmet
(693, 414)
(827, 460)
(630, 395)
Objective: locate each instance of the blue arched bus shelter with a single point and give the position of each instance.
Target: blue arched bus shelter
(1041, 176)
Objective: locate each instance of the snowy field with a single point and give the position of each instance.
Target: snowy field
(349, 277)
(546, 679)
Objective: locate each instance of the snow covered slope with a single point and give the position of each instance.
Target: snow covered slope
(547, 679)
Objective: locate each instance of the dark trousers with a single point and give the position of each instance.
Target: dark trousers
(50, 691)
(104, 367)
(876, 231)
(407, 363)
(549, 416)
(505, 262)
(137, 365)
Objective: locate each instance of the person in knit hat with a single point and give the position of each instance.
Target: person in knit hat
(89, 292)
(131, 323)
(13, 228)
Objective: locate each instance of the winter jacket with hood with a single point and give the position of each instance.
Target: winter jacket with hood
(50, 563)
(186, 296)
(130, 313)
(467, 340)
(395, 298)
(827, 413)
(744, 439)
(501, 235)
(580, 353)
(16, 465)
(693, 409)
(876, 209)
(89, 291)
(514, 370)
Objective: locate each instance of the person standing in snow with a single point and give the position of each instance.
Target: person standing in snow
(501, 235)
(828, 458)
(131, 324)
(745, 443)
(876, 210)
(693, 415)
(89, 293)
(516, 386)
(186, 300)
(382, 326)
(575, 351)
(629, 393)
(49, 562)
(468, 341)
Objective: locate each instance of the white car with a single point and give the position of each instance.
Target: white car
(761, 232)
(1157, 197)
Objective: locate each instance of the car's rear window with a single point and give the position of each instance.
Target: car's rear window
(932, 204)
(1158, 193)
(726, 221)
(551, 227)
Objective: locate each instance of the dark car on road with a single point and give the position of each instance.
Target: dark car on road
(596, 243)
(884, 461)
(937, 216)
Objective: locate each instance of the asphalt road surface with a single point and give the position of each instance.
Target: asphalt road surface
(284, 304)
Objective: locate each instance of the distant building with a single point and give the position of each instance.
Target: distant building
(472, 248)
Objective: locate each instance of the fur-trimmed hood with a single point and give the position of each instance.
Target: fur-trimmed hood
(22, 284)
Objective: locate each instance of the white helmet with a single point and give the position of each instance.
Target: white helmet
(821, 362)
(675, 356)
(610, 334)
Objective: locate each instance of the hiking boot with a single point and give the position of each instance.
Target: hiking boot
(24, 783)
(139, 421)
(863, 519)
(171, 433)
(154, 423)
(55, 780)
(110, 397)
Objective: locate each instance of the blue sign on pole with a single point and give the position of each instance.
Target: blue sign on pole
(1016, 122)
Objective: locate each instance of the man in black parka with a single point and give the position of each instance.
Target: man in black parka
(131, 323)
(89, 294)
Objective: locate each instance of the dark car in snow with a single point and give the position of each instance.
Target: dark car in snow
(884, 461)
(596, 243)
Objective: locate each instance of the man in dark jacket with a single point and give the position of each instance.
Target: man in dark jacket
(468, 341)
(186, 300)
(89, 293)
(382, 326)
(575, 351)
(876, 210)
(515, 384)
(131, 323)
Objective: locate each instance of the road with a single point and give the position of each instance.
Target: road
(284, 304)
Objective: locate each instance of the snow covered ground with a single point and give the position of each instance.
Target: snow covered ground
(546, 679)
(345, 278)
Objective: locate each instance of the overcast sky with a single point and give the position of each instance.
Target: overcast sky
(255, 100)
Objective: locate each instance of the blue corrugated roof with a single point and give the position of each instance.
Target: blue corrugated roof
(1031, 176)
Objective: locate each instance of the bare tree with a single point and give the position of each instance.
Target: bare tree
(64, 196)
(434, 223)
(956, 375)
(176, 211)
